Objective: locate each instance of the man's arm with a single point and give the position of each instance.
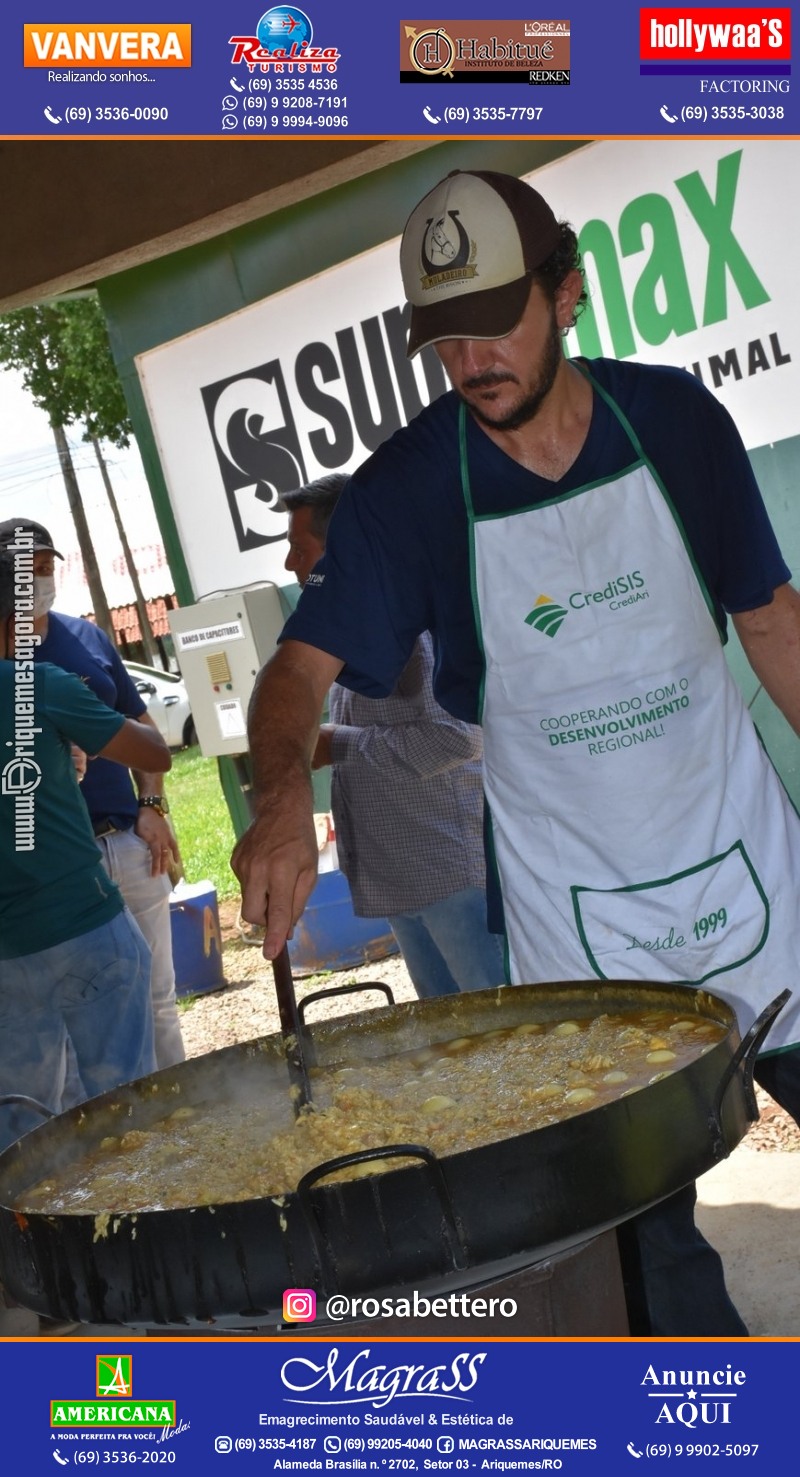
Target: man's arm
(276, 859)
(151, 827)
(139, 746)
(770, 636)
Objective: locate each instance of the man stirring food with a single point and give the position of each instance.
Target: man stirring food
(572, 534)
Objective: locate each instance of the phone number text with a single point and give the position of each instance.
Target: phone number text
(701, 1448)
(117, 115)
(495, 114)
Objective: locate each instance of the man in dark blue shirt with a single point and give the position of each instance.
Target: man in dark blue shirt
(572, 534)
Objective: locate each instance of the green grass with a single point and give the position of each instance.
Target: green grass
(202, 822)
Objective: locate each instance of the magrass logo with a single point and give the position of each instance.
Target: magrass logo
(114, 1407)
(547, 616)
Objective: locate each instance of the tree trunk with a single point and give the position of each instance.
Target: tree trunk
(141, 605)
(102, 613)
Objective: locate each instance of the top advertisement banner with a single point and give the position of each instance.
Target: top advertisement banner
(289, 72)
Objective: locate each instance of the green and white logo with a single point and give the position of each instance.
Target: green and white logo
(547, 616)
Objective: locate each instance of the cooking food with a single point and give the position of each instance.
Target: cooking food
(451, 1095)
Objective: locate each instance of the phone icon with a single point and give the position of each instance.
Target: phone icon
(665, 113)
(431, 117)
(236, 86)
(633, 1451)
(63, 1461)
(53, 119)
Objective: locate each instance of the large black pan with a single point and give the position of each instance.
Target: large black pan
(533, 1193)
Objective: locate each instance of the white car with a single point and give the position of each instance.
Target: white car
(167, 703)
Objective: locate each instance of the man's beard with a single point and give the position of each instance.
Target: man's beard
(529, 407)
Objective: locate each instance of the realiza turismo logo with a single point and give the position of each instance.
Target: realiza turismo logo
(283, 43)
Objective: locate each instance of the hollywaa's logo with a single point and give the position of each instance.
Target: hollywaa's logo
(283, 43)
(360, 1382)
(691, 1397)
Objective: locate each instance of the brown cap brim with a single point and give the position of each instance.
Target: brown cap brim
(483, 315)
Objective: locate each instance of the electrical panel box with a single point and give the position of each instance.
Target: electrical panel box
(221, 644)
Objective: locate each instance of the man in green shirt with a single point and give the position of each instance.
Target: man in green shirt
(74, 963)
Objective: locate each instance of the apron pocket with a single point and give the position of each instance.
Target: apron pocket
(688, 927)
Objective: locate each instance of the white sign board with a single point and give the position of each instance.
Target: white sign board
(687, 247)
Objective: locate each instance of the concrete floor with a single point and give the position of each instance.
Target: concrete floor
(749, 1208)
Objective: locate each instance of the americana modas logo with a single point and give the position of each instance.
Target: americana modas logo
(547, 616)
(114, 1374)
(113, 1407)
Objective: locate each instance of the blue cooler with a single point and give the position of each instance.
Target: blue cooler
(196, 938)
(329, 936)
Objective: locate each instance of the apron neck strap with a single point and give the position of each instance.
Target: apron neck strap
(614, 407)
(464, 460)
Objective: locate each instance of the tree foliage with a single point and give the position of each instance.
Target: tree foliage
(64, 356)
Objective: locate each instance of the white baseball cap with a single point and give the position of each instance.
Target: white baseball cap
(467, 254)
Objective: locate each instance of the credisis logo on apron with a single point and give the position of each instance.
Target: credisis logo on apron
(547, 616)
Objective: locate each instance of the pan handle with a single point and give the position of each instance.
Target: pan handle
(453, 1238)
(745, 1057)
(343, 990)
(19, 1098)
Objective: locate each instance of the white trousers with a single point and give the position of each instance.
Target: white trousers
(127, 861)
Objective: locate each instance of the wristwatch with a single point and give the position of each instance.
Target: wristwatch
(158, 803)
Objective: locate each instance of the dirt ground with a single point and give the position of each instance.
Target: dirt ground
(247, 1008)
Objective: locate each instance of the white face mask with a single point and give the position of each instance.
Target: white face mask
(44, 593)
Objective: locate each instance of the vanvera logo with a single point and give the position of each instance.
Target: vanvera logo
(360, 1382)
(134, 45)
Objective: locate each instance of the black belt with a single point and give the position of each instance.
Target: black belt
(103, 828)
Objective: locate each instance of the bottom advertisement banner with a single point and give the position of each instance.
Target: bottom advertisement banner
(392, 1406)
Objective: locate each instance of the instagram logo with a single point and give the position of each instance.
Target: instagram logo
(299, 1305)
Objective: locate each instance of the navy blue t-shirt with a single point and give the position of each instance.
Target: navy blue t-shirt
(81, 647)
(397, 557)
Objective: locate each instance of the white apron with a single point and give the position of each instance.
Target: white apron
(639, 830)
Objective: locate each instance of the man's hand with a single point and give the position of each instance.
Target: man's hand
(276, 859)
(276, 864)
(153, 829)
(79, 759)
(322, 753)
